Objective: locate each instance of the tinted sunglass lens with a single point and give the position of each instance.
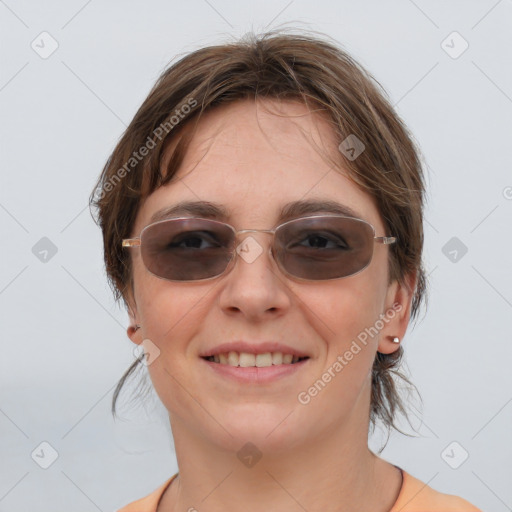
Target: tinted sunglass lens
(314, 248)
(324, 247)
(187, 249)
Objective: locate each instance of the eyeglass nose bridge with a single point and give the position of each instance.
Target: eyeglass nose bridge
(247, 258)
(269, 231)
(251, 254)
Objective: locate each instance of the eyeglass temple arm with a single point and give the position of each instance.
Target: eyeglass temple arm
(131, 242)
(385, 239)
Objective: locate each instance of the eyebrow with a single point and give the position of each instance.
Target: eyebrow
(209, 210)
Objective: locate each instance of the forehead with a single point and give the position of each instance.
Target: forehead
(280, 127)
(254, 159)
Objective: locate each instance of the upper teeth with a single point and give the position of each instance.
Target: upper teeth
(245, 359)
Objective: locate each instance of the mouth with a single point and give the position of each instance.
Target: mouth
(247, 360)
(255, 369)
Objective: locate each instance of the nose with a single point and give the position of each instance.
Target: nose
(255, 285)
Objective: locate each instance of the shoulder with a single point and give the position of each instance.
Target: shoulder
(416, 496)
(148, 503)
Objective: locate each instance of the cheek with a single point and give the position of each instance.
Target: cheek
(172, 317)
(343, 382)
(164, 307)
(170, 314)
(340, 310)
(344, 314)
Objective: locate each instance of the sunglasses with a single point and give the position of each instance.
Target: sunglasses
(315, 248)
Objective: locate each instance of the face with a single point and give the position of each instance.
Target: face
(252, 158)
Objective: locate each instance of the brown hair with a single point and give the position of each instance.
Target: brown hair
(281, 66)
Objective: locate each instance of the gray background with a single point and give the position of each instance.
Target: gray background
(63, 340)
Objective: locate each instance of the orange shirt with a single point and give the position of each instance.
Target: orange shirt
(414, 496)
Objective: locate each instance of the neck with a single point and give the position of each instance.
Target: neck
(337, 468)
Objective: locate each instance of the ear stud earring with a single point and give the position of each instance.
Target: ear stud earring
(396, 340)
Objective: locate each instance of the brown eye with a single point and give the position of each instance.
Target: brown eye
(194, 240)
(319, 241)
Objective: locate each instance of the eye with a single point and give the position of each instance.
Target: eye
(194, 240)
(321, 241)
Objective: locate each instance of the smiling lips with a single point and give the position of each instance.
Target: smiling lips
(246, 360)
(260, 355)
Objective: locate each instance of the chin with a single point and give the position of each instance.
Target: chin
(270, 431)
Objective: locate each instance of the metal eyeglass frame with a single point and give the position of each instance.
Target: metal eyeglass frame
(137, 242)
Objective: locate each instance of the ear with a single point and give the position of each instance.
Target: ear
(133, 331)
(397, 313)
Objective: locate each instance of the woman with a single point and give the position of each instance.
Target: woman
(262, 222)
